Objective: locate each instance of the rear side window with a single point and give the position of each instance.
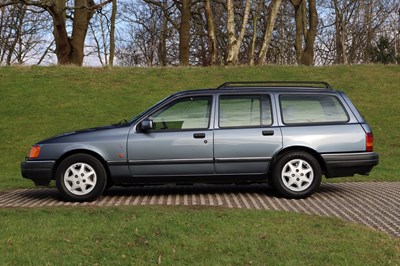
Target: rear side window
(244, 111)
(309, 109)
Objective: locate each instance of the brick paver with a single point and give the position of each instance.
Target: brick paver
(374, 204)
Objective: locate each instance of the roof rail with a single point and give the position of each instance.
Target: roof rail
(309, 84)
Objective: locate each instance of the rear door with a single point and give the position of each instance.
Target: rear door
(246, 135)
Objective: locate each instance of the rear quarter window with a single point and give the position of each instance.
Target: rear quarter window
(312, 109)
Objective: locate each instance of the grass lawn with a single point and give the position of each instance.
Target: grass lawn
(186, 236)
(38, 102)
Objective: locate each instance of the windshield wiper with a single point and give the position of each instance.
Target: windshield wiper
(122, 122)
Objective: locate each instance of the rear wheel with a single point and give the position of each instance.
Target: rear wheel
(297, 174)
(81, 177)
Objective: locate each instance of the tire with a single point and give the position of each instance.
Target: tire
(81, 177)
(296, 174)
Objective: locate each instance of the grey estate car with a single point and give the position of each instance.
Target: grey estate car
(288, 134)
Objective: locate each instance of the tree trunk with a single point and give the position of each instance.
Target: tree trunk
(63, 46)
(340, 37)
(305, 56)
(112, 32)
(273, 9)
(231, 30)
(299, 28)
(308, 55)
(163, 42)
(79, 30)
(256, 17)
(103, 47)
(70, 50)
(20, 33)
(368, 17)
(235, 42)
(201, 45)
(212, 39)
(184, 33)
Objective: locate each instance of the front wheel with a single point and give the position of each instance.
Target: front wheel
(297, 174)
(81, 177)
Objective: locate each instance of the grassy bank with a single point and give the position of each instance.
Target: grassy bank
(38, 102)
(184, 236)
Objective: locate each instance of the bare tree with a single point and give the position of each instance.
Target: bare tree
(341, 20)
(99, 32)
(306, 18)
(234, 40)
(22, 34)
(69, 49)
(184, 31)
(112, 32)
(349, 29)
(152, 40)
(270, 24)
(255, 16)
(212, 38)
(183, 26)
(101, 37)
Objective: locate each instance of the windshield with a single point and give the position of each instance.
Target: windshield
(137, 117)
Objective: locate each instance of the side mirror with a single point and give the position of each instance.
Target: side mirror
(146, 125)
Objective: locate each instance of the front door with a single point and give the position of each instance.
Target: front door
(180, 142)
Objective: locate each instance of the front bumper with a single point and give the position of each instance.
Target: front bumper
(40, 172)
(349, 164)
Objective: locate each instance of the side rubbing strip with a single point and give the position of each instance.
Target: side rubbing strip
(170, 161)
(242, 159)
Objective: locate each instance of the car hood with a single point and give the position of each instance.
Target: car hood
(88, 133)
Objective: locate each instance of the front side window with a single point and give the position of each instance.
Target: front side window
(185, 113)
(303, 109)
(244, 111)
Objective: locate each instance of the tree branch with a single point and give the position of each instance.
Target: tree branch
(164, 10)
(39, 3)
(45, 4)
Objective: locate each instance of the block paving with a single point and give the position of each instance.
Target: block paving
(373, 204)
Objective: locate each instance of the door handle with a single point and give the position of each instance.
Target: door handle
(268, 132)
(199, 135)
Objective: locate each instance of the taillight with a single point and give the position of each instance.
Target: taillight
(35, 151)
(369, 142)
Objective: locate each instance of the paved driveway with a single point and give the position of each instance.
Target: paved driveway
(374, 204)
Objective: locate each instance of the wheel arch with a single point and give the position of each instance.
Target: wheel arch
(82, 151)
(312, 152)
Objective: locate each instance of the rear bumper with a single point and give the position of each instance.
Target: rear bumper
(349, 164)
(40, 172)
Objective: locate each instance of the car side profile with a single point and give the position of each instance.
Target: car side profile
(288, 134)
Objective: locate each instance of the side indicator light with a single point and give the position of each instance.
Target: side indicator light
(35, 151)
(369, 139)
